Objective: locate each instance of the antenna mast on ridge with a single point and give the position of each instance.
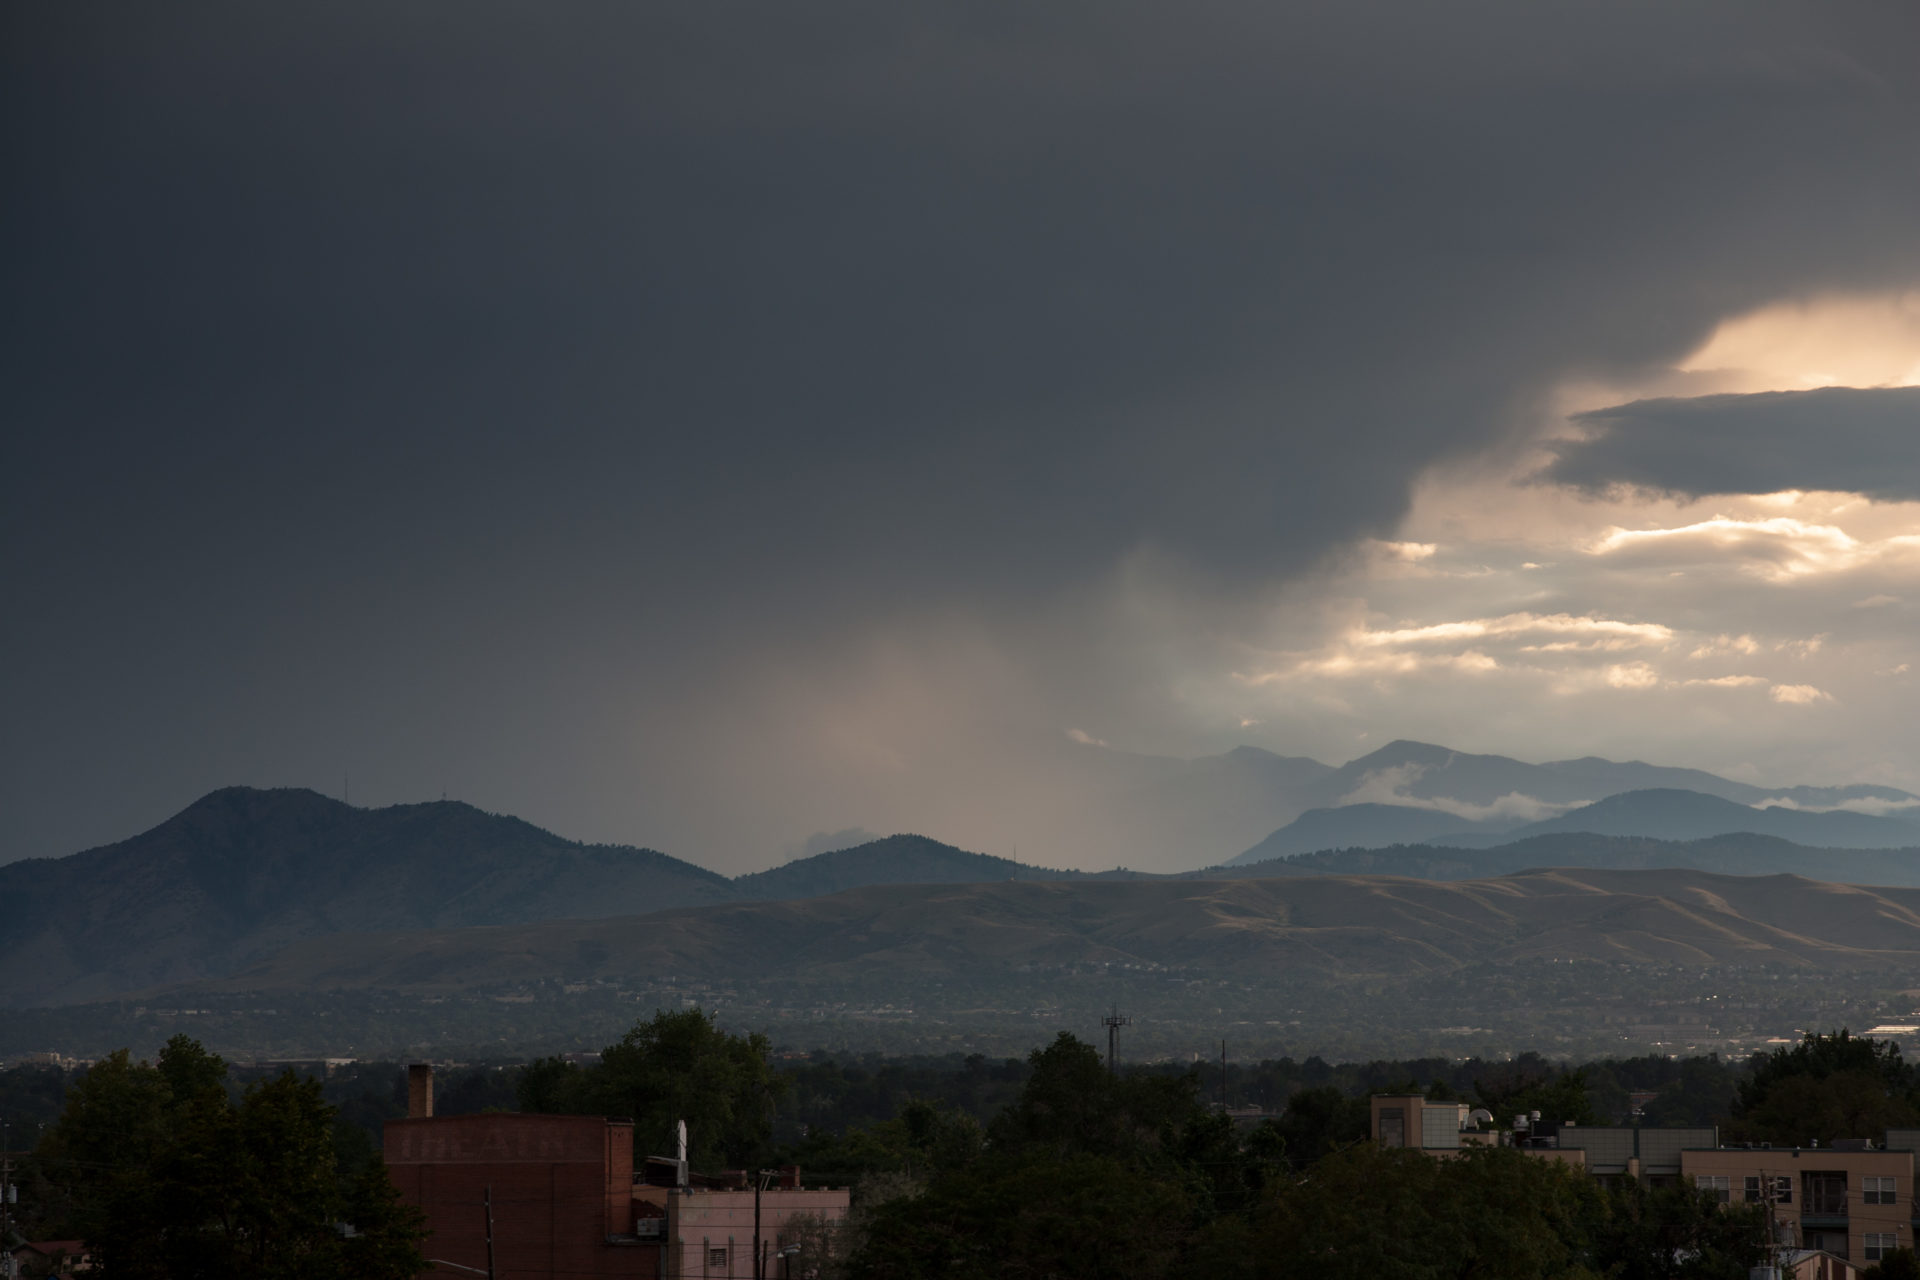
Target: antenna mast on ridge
(1113, 1022)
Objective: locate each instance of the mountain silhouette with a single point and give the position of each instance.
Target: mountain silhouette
(242, 871)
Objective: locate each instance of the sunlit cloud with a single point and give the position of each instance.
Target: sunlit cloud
(1459, 647)
(1837, 340)
(1631, 675)
(1721, 646)
(1780, 549)
(1518, 624)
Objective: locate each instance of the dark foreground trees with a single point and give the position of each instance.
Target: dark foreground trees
(164, 1173)
(1829, 1086)
(668, 1068)
(1088, 1174)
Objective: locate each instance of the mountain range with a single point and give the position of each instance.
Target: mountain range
(1166, 815)
(243, 873)
(1660, 813)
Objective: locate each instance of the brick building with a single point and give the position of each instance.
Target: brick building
(561, 1189)
(567, 1201)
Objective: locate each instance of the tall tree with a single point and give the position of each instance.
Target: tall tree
(168, 1175)
(1491, 1213)
(1676, 1233)
(1829, 1086)
(671, 1067)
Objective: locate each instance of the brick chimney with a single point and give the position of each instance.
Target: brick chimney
(419, 1090)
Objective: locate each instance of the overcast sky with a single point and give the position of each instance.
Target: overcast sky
(707, 425)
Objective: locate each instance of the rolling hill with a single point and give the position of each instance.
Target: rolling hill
(1739, 854)
(1362, 826)
(1328, 926)
(901, 859)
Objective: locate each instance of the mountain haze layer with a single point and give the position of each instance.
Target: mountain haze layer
(1667, 814)
(1411, 792)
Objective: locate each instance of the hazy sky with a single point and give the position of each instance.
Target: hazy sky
(707, 425)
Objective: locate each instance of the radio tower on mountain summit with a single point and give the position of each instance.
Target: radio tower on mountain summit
(1113, 1022)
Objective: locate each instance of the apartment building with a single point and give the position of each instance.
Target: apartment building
(1852, 1201)
(1441, 1128)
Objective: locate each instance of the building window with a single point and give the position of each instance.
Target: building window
(1879, 1190)
(1752, 1192)
(1879, 1245)
(1783, 1189)
(717, 1258)
(1393, 1127)
(1825, 1193)
(1833, 1242)
(1719, 1183)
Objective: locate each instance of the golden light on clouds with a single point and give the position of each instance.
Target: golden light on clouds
(1843, 341)
(1780, 549)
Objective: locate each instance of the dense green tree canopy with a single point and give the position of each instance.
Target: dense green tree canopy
(1829, 1086)
(164, 1173)
(1901, 1264)
(1365, 1213)
(1035, 1216)
(668, 1068)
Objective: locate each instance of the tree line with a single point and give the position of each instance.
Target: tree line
(1047, 1166)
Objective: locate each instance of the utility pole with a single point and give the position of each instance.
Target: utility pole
(1113, 1022)
(1223, 1077)
(7, 1195)
(486, 1206)
(490, 1272)
(759, 1254)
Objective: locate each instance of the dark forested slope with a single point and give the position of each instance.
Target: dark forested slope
(242, 871)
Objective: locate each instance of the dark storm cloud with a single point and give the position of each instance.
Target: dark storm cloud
(438, 375)
(1856, 440)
